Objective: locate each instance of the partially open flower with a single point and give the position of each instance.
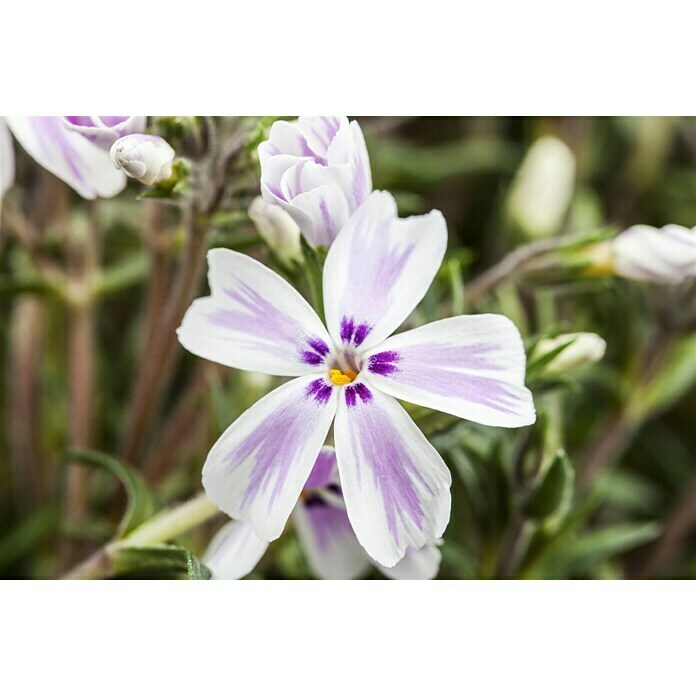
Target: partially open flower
(277, 228)
(666, 255)
(583, 349)
(318, 170)
(147, 158)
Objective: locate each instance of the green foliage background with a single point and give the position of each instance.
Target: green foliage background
(603, 486)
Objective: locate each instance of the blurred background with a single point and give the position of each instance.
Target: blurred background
(602, 486)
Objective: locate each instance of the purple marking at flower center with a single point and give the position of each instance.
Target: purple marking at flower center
(315, 356)
(320, 390)
(383, 363)
(352, 333)
(355, 390)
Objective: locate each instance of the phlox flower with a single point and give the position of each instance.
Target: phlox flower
(318, 170)
(324, 533)
(76, 148)
(394, 483)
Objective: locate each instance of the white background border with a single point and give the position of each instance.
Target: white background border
(360, 57)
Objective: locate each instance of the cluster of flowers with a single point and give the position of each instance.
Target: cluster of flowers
(382, 495)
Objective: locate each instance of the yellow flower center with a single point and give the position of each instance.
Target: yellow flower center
(338, 377)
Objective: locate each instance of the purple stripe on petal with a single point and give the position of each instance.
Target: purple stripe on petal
(361, 334)
(355, 390)
(311, 358)
(383, 363)
(350, 396)
(318, 346)
(273, 443)
(320, 390)
(363, 392)
(394, 472)
(347, 328)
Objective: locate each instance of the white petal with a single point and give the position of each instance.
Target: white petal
(667, 255)
(378, 270)
(69, 155)
(395, 484)
(328, 540)
(284, 139)
(320, 131)
(326, 210)
(234, 551)
(422, 564)
(104, 131)
(349, 149)
(256, 470)
(254, 320)
(470, 366)
(6, 159)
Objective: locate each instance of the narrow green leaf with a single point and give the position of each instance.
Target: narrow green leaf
(141, 504)
(161, 562)
(554, 491)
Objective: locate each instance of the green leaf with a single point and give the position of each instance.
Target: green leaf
(141, 504)
(161, 562)
(554, 491)
(536, 365)
(677, 376)
(592, 548)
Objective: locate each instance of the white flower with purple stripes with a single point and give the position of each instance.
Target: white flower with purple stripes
(395, 484)
(325, 536)
(318, 170)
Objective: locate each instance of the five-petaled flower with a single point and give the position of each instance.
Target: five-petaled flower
(76, 148)
(324, 533)
(318, 170)
(395, 484)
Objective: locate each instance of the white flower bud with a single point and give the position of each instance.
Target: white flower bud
(277, 228)
(147, 158)
(585, 349)
(667, 255)
(543, 187)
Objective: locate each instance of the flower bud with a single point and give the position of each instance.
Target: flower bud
(277, 228)
(666, 255)
(543, 187)
(147, 158)
(583, 349)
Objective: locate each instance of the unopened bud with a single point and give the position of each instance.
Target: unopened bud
(583, 349)
(147, 158)
(543, 187)
(667, 255)
(277, 228)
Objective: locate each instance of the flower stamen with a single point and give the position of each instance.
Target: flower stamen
(339, 378)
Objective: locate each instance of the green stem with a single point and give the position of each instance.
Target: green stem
(163, 527)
